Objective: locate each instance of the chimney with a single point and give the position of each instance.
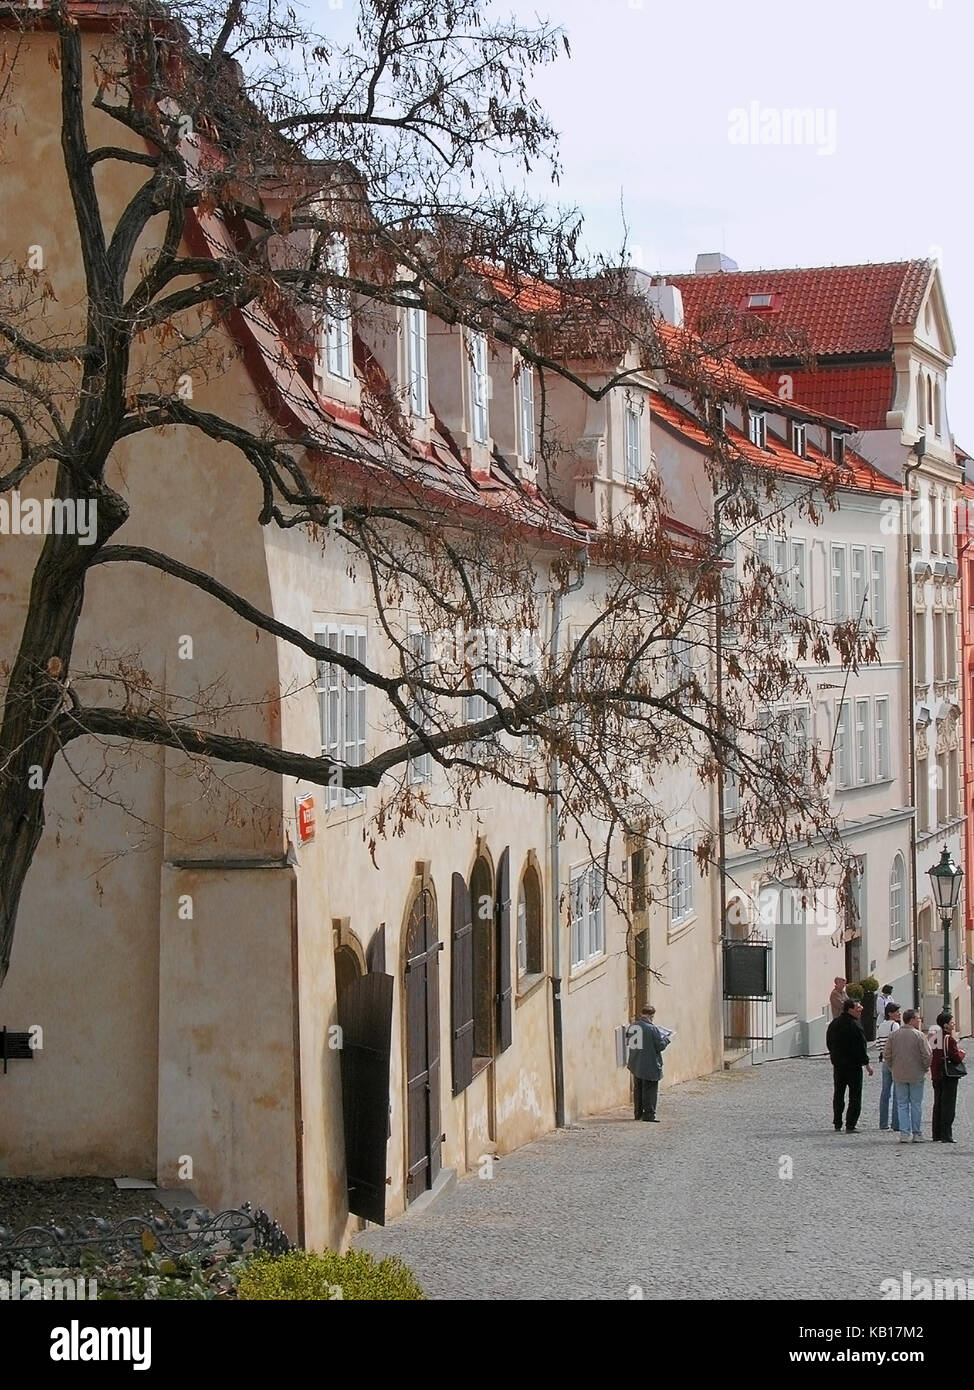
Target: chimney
(665, 300)
(713, 262)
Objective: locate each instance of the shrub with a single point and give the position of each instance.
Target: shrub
(854, 991)
(302, 1274)
(870, 985)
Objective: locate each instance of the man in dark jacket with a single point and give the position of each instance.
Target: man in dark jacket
(645, 1043)
(846, 1043)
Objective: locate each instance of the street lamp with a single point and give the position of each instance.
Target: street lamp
(945, 878)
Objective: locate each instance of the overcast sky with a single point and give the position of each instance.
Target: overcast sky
(645, 104)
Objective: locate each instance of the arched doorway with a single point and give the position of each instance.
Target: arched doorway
(422, 1046)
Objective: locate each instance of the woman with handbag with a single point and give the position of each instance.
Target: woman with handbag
(946, 1069)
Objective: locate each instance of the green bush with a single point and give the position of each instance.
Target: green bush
(305, 1275)
(870, 985)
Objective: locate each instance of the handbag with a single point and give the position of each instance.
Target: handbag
(953, 1070)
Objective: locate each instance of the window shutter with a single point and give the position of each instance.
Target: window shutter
(461, 985)
(504, 991)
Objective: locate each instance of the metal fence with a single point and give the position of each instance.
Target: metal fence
(180, 1232)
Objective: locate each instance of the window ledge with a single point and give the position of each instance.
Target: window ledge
(895, 946)
(593, 969)
(528, 985)
(675, 930)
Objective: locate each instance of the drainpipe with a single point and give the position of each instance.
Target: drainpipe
(911, 730)
(554, 807)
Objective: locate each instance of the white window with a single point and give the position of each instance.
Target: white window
(759, 301)
(843, 747)
(421, 651)
(798, 439)
(858, 612)
(634, 450)
(337, 328)
(681, 880)
(732, 791)
(797, 591)
(939, 647)
(897, 901)
(479, 387)
(863, 739)
(838, 449)
(526, 396)
(882, 739)
(587, 907)
(757, 428)
(681, 662)
(728, 589)
(840, 589)
(950, 649)
(487, 687)
(799, 741)
(878, 589)
(417, 368)
(342, 707)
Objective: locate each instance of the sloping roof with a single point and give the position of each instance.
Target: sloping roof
(863, 393)
(839, 310)
(854, 475)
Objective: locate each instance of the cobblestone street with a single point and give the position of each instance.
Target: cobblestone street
(695, 1206)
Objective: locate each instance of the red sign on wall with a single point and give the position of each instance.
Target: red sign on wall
(305, 808)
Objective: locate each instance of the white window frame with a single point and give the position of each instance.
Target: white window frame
(877, 588)
(525, 390)
(843, 746)
(759, 301)
(421, 651)
(798, 439)
(479, 388)
(881, 765)
(343, 707)
(633, 435)
(681, 881)
(864, 736)
(477, 705)
(859, 584)
(840, 583)
(838, 449)
(586, 898)
(337, 327)
(897, 901)
(417, 361)
(757, 428)
(680, 661)
(728, 589)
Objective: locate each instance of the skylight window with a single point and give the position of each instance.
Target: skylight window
(759, 301)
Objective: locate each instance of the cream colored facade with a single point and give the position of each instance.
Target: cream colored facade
(177, 944)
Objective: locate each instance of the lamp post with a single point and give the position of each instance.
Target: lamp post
(945, 879)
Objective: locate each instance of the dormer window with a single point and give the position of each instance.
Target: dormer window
(417, 371)
(798, 439)
(337, 325)
(757, 428)
(838, 449)
(478, 387)
(525, 386)
(759, 301)
(720, 419)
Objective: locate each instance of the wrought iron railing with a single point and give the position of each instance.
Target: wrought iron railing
(180, 1232)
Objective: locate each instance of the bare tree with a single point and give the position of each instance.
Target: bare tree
(272, 174)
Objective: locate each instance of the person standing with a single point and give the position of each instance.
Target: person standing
(944, 1086)
(838, 997)
(646, 1043)
(846, 1043)
(909, 1056)
(884, 1032)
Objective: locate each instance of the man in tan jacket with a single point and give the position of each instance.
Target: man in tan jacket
(908, 1054)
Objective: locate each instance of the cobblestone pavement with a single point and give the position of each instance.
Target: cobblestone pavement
(695, 1207)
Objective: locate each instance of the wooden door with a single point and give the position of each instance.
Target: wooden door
(365, 1016)
(422, 1047)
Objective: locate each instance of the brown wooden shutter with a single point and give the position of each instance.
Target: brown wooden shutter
(461, 985)
(365, 1016)
(505, 1030)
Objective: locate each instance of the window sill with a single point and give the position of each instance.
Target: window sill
(528, 985)
(896, 946)
(675, 930)
(590, 970)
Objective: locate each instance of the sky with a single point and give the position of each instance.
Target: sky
(667, 110)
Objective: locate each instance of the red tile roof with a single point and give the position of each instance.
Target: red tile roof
(838, 310)
(862, 393)
(856, 475)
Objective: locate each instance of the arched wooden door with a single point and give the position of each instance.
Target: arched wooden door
(422, 1047)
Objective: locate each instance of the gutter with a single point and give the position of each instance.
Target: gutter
(554, 807)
